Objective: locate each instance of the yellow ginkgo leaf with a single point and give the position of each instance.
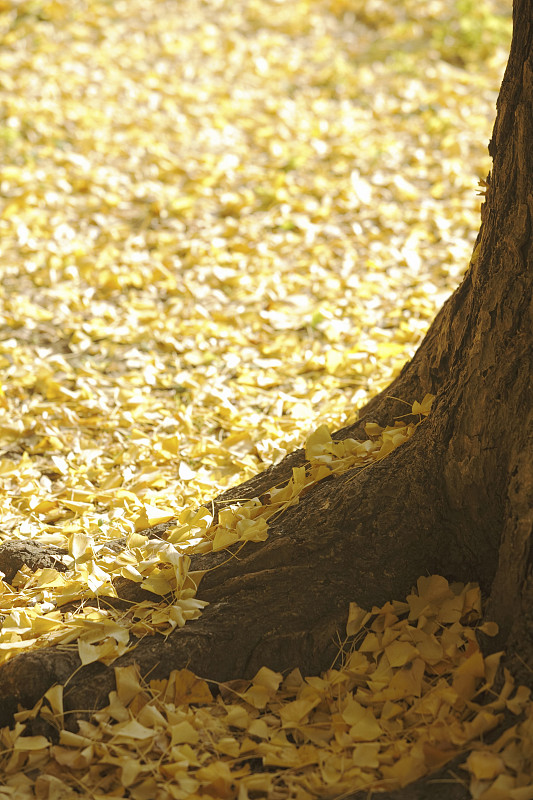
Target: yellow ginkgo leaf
(30, 743)
(151, 515)
(190, 689)
(484, 764)
(267, 678)
(131, 730)
(357, 619)
(297, 711)
(127, 683)
(318, 442)
(425, 406)
(183, 733)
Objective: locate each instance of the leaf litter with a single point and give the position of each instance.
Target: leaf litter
(221, 222)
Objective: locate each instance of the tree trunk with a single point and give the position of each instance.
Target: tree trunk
(456, 499)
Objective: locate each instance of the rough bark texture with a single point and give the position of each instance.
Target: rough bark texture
(14, 555)
(457, 499)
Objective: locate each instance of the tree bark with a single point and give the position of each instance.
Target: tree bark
(456, 499)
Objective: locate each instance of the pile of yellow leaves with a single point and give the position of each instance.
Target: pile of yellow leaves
(414, 693)
(222, 221)
(33, 616)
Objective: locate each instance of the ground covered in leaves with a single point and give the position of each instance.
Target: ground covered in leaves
(223, 226)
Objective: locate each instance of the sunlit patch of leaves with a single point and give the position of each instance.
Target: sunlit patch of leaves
(196, 268)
